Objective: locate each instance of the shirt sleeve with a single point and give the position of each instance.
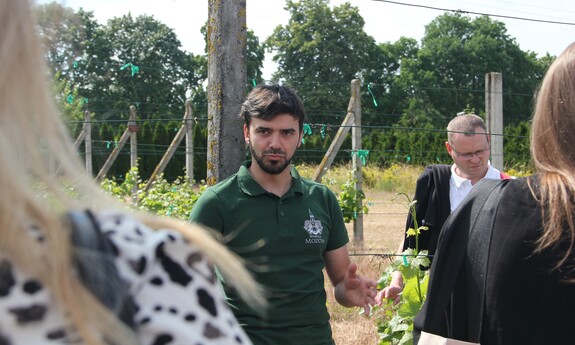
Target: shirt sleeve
(177, 297)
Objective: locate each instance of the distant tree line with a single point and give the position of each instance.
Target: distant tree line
(410, 89)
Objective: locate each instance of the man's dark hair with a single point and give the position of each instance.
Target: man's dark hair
(266, 101)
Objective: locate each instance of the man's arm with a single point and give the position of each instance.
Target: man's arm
(350, 289)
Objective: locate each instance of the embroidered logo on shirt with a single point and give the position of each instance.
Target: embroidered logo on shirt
(314, 229)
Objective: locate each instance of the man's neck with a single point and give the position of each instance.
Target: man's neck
(472, 179)
(277, 184)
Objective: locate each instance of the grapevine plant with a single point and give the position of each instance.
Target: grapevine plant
(350, 199)
(397, 325)
(174, 199)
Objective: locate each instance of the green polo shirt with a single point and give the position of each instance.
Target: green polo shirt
(283, 241)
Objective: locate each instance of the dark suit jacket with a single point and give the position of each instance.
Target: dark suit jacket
(432, 207)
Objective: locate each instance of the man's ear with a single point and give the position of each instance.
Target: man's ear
(448, 147)
(300, 138)
(246, 134)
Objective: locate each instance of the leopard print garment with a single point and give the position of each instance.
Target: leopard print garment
(178, 300)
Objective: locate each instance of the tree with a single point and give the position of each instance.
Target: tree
(76, 50)
(456, 53)
(319, 52)
(255, 56)
(64, 34)
(128, 61)
(150, 70)
(385, 89)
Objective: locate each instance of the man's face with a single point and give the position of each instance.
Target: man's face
(273, 143)
(470, 153)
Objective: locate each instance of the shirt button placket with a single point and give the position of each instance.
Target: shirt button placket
(281, 212)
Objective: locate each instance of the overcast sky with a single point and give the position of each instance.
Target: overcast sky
(385, 21)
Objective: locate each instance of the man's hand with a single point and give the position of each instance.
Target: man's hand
(355, 290)
(392, 291)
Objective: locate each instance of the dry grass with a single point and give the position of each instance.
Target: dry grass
(382, 232)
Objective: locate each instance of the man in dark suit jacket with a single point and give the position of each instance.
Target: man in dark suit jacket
(441, 188)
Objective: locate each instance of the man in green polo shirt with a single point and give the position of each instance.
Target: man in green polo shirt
(286, 228)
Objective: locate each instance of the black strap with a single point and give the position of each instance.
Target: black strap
(94, 261)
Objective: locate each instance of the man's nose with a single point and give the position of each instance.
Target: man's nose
(275, 140)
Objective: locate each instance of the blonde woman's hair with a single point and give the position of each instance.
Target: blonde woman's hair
(41, 176)
(552, 143)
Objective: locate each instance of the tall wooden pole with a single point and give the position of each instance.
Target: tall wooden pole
(356, 159)
(226, 87)
(189, 142)
(494, 116)
(88, 140)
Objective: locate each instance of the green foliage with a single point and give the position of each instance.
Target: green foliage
(448, 73)
(70, 104)
(175, 199)
(319, 50)
(418, 87)
(350, 199)
(399, 177)
(397, 326)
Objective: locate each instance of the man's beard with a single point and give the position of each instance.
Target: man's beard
(273, 167)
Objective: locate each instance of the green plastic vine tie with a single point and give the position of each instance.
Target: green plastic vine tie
(372, 95)
(405, 263)
(322, 131)
(362, 154)
(135, 69)
(306, 130)
(254, 82)
(70, 99)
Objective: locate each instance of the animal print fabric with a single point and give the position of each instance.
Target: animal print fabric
(178, 300)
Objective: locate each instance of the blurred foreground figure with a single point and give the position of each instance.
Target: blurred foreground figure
(164, 266)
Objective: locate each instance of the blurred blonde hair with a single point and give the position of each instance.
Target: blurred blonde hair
(552, 143)
(41, 176)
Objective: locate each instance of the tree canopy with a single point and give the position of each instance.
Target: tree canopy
(406, 84)
(320, 51)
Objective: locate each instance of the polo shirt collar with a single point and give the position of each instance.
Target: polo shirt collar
(249, 186)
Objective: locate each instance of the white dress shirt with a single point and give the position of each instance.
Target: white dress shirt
(459, 187)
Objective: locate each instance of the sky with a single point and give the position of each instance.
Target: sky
(384, 21)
